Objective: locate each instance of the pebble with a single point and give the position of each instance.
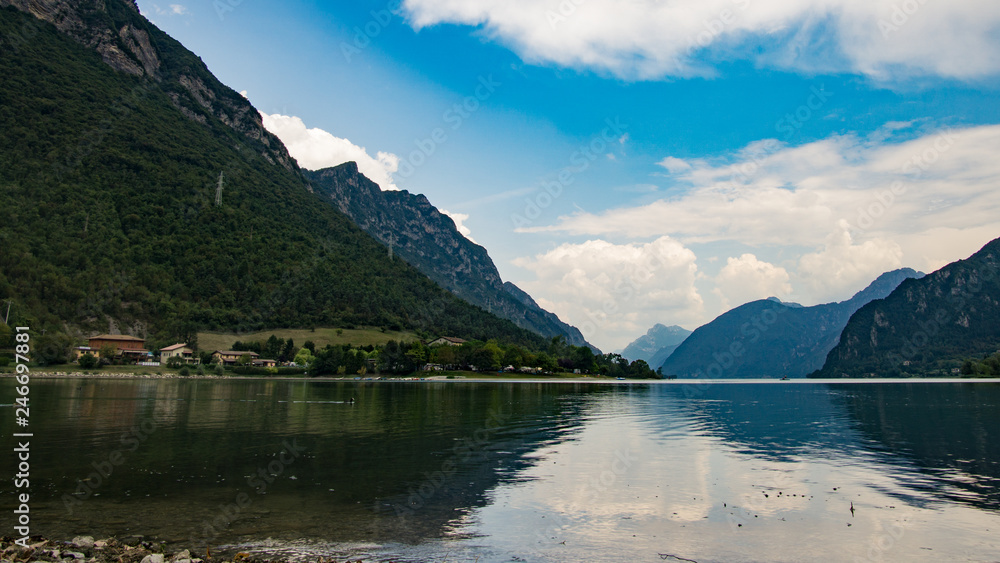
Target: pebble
(154, 558)
(84, 542)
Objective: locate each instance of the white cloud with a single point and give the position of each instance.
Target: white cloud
(747, 279)
(315, 149)
(649, 39)
(843, 268)
(460, 219)
(797, 196)
(178, 9)
(612, 292)
(674, 165)
(823, 219)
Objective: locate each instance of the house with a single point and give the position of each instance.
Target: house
(180, 351)
(264, 363)
(127, 347)
(447, 341)
(81, 350)
(231, 357)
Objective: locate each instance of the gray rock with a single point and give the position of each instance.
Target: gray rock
(182, 556)
(154, 558)
(83, 541)
(74, 555)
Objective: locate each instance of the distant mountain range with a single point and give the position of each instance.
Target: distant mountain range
(419, 233)
(656, 345)
(926, 326)
(768, 338)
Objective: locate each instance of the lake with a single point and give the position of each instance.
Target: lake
(517, 471)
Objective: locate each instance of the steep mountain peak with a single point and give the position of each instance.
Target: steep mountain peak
(429, 240)
(129, 43)
(652, 344)
(884, 285)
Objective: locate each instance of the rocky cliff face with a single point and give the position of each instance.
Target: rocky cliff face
(926, 326)
(419, 233)
(127, 42)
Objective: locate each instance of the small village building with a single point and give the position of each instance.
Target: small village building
(232, 357)
(130, 348)
(264, 363)
(447, 341)
(180, 351)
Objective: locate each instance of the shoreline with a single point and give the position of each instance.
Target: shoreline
(484, 379)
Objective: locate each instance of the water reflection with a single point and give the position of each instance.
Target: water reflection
(554, 472)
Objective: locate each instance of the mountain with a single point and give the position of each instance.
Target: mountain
(428, 239)
(768, 338)
(658, 341)
(112, 141)
(926, 326)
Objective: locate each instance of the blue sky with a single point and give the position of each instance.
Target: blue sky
(642, 162)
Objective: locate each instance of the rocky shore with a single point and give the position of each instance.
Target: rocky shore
(85, 549)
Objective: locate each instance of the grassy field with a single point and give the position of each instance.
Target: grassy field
(211, 341)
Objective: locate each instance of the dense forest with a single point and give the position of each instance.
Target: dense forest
(926, 327)
(113, 220)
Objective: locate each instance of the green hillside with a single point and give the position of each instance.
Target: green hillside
(926, 327)
(107, 189)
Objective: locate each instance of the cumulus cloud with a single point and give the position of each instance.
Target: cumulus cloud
(837, 213)
(460, 219)
(881, 187)
(843, 267)
(651, 39)
(315, 149)
(747, 279)
(614, 291)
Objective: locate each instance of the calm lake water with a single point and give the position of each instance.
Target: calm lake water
(457, 471)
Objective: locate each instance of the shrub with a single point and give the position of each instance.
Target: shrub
(184, 372)
(88, 361)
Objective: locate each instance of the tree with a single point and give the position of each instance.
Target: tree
(310, 345)
(88, 361)
(108, 354)
(288, 352)
(304, 357)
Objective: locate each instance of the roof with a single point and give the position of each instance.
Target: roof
(118, 337)
(174, 347)
(236, 353)
(452, 339)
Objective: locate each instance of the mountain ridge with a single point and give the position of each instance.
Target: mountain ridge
(767, 338)
(428, 239)
(660, 340)
(115, 222)
(926, 326)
